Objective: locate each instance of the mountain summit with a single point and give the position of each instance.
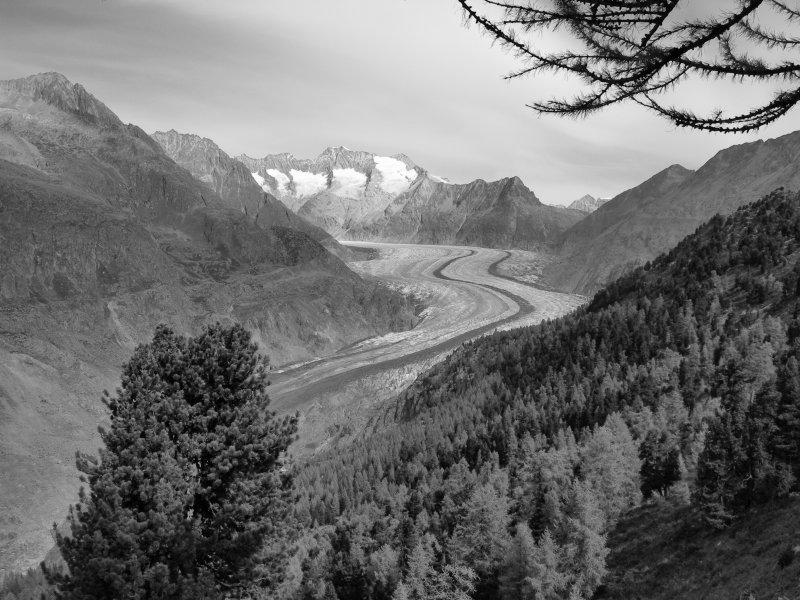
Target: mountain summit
(363, 196)
(58, 91)
(588, 203)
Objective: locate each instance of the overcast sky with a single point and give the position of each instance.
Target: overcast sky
(387, 76)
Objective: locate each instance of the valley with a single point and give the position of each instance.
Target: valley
(466, 293)
(304, 306)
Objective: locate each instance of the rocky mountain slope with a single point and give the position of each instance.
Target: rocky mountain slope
(638, 224)
(234, 183)
(103, 236)
(361, 196)
(588, 203)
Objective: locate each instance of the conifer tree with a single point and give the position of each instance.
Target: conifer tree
(660, 463)
(188, 484)
(480, 539)
(610, 465)
(547, 579)
(636, 50)
(519, 566)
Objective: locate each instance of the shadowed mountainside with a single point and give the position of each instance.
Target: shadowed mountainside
(102, 237)
(235, 185)
(638, 224)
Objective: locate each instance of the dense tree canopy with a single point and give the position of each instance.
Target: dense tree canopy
(188, 484)
(516, 455)
(637, 50)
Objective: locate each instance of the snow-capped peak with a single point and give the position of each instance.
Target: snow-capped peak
(396, 177)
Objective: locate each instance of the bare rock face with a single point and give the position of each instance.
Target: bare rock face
(208, 163)
(498, 214)
(235, 185)
(588, 203)
(362, 196)
(639, 224)
(102, 237)
(56, 90)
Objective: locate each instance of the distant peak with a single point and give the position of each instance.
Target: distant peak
(676, 168)
(49, 78)
(58, 91)
(332, 153)
(587, 203)
(334, 150)
(193, 137)
(515, 185)
(404, 158)
(516, 182)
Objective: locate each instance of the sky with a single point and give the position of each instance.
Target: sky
(386, 76)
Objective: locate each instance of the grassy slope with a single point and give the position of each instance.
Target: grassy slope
(662, 552)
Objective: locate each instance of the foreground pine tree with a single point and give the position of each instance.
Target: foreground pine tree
(188, 486)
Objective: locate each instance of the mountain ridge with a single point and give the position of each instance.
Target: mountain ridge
(362, 196)
(636, 225)
(229, 178)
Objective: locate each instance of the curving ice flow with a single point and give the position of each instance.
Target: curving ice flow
(463, 298)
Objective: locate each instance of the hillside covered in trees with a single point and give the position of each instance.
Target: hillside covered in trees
(508, 465)
(504, 471)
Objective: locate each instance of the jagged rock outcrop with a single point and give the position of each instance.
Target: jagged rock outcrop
(362, 196)
(640, 223)
(102, 237)
(498, 214)
(587, 203)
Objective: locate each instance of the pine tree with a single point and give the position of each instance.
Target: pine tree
(660, 458)
(479, 540)
(610, 465)
(518, 566)
(188, 486)
(585, 546)
(787, 439)
(547, 580)
(424, 582)
(736, 467)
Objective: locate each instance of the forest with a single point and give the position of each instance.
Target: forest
(501, 472)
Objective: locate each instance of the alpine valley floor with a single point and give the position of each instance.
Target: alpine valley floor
(467, 292)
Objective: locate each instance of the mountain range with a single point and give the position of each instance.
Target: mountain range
(362, 196)
(102, 237)
(640, 223)
(235, 185)
(587, 203)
